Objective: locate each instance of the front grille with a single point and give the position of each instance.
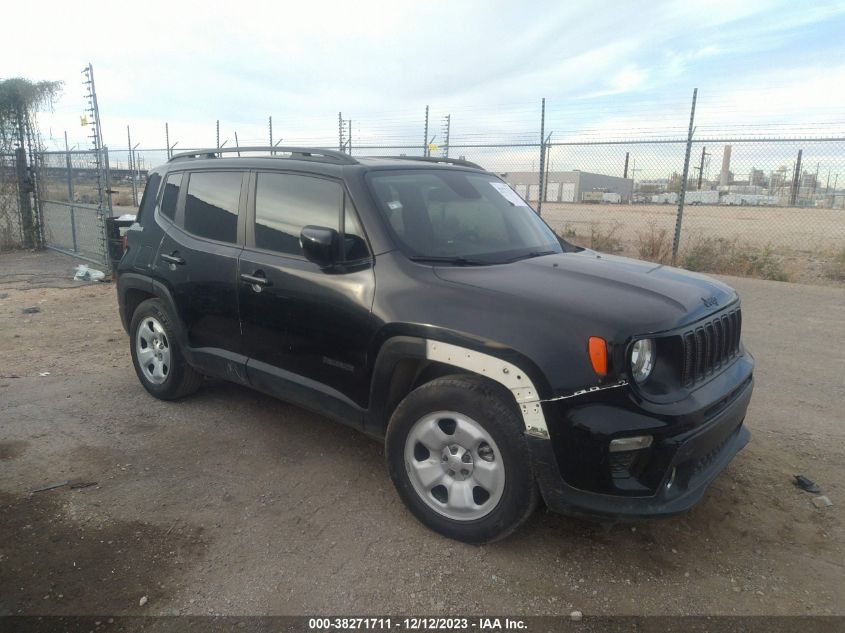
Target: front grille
(710, 346)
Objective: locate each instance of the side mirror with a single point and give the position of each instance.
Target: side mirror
(320, 245)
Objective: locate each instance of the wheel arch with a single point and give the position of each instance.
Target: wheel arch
(404, 362)
(133, 289)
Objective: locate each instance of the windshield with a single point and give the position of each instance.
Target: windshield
(460, 217)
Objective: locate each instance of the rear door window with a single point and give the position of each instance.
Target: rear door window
(211, 205)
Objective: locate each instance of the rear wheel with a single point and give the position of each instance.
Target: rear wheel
(458, 458)
(156, 356)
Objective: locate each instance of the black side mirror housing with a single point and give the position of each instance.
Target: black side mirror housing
(320, 245)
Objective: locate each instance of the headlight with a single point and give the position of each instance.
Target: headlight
(642, 359)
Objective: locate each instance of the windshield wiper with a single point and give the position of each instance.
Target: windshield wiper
(530, 255)
(445, 259)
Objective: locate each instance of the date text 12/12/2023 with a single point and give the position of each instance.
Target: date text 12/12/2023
(416, 624)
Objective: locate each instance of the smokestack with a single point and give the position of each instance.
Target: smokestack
(724, 177)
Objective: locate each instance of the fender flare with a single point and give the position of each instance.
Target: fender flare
(154, 287)
(510, 375)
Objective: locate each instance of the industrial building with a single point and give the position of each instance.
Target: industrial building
(570, 186)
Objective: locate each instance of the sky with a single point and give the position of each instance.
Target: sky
(606, 69)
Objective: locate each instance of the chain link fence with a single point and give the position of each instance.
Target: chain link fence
(11, 234)
(751, 205)
(73, 204)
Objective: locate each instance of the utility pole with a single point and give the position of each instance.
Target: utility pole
(701, 167)
(340, 142)
(237, 145)
(349, 140)
(677, 241)
(542, 155)
(625, 171)
(167, 138)
(447, 124)
(217, 136)
(425, 134)
(271, 131)
(796, 180)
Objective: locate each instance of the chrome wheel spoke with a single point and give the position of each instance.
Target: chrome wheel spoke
(467, 435)
(145, 355)
(429, 472)
(460, 496)
(431, 436)
(488, 475)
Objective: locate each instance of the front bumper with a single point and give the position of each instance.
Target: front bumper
(681, 464)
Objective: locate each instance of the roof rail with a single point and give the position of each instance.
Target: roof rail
(439, 159)
(298, 153)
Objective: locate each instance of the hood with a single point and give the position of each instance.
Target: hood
(618, 293)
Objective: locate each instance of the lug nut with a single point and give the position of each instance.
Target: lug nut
(464, 472)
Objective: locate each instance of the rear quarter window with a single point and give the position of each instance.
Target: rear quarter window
(148, 199)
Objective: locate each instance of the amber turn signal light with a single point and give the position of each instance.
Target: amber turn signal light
(598, 355)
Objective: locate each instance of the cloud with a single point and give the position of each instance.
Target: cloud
(602, 66)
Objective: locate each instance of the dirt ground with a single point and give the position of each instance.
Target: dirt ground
(797, 228)
(804, 240)
(233, 503)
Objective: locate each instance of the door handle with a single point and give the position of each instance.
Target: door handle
(255, 280)
(172, 259)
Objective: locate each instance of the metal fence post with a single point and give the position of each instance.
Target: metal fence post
(425, 134)
(69, 165)
(542, 156)
(107, 180)
(24, 189)
(131, 166)
(677, 241)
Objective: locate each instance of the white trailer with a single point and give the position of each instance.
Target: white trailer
(665, 198)
(702, 197)
(613, 198)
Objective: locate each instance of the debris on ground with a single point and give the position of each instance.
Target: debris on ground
(142, 601)
(806, 484)
(31, 310)
(576, 616)
(58, 484)
(822, 502)
(77, 485)
(84, 273)
(43, 373)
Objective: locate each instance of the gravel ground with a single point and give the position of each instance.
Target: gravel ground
(230, 502)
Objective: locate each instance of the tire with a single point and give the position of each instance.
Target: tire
(485, 425)
(158, 360)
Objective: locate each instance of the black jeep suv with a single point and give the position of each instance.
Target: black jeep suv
(423, 302)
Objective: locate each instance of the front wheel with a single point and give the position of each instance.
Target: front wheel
(459, 460)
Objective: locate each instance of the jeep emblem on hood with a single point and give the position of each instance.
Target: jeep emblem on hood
(710, 301)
